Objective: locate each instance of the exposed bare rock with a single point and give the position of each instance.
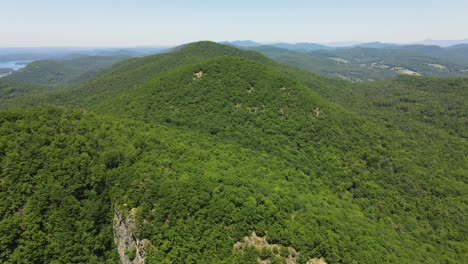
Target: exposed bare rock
(316, 261)
(317, 112)
(197, 75)
(402, 70)
(288, 255)
(131, 249)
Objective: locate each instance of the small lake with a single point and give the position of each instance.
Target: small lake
(15, 65)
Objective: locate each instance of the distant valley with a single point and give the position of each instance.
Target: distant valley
(369, 61)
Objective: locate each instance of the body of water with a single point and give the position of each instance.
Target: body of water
(14, 65)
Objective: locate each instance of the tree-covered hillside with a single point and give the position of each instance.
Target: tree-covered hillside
(54, 201)
(227, 91)
(211, 154)
(67, 71)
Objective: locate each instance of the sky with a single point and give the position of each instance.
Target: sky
(97, 23)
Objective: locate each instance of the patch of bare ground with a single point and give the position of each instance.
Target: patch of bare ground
(272, 253)
(339, 60)
(402, 70)
(438, 66)
(197, 75)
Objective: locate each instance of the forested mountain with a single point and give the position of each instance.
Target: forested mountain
(134, 72)
(212, 154)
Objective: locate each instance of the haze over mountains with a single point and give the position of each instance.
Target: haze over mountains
(360, 62)
(442, 43)
(30, 53)
(318, 46)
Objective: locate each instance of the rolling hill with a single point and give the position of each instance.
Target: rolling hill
(212, 154)
(67, 71)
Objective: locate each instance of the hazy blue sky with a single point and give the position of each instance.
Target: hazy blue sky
(153, 22)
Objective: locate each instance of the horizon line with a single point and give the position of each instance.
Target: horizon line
(355, 42)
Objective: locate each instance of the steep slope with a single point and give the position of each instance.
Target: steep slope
(54, 205)
(212, 93)
(259, 108)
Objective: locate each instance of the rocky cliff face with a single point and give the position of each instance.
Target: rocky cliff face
(131, 249)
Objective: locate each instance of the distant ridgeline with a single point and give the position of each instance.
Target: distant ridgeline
(213, 154)
(363, 63)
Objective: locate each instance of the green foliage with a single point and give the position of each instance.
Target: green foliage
(250, 146)
(265, 253)
(53, 181)
(131, 253)
(12, 90)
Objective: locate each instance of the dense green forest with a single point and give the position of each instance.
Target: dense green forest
(212, 154)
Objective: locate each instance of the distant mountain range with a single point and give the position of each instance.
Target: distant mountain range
(291, 46)
(41, 53)
(304, 46)
(442, 43)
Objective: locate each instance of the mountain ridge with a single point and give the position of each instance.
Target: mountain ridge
(208, 144)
